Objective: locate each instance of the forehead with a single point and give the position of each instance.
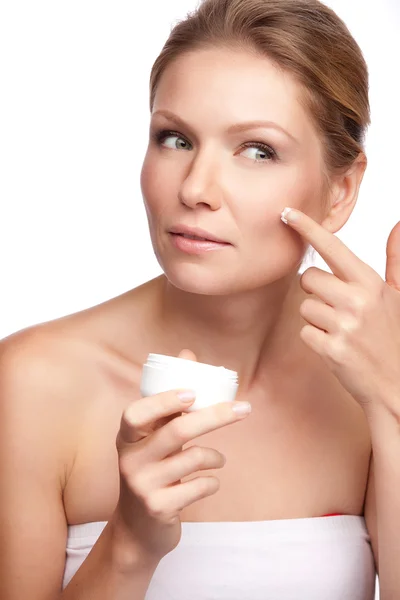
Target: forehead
(224, 86)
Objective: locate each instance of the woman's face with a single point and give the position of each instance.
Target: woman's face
(234, 183)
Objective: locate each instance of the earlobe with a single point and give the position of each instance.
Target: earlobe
(334, 219)
(344, 195)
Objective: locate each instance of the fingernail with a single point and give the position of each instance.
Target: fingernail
(186, 395)
(288, 215)
(241, 408)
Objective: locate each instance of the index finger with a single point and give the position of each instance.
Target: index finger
(142, 416)
(185, 428)
(341, 260)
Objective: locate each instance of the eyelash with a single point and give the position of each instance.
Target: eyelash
(159, 137)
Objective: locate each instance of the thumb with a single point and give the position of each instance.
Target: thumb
(187, 354)
(393, 258)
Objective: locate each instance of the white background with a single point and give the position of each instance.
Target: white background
(74, 121)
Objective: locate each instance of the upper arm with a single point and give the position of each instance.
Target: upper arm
(33, 526)
(370, 513)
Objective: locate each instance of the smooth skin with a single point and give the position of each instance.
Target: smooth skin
(68, 388)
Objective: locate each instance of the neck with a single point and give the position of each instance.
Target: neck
(254, 333)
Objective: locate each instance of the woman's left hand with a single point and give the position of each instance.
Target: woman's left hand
(354, 325)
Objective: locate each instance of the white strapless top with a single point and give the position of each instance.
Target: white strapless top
(322, 558)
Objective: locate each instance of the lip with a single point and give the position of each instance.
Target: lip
(195, 247)
(197, 231)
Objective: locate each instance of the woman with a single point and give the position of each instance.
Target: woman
(150, 503)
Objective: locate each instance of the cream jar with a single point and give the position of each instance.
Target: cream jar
(211, 384)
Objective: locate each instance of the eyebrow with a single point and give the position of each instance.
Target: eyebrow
(237, 128)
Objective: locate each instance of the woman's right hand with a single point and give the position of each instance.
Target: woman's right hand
(152, 463)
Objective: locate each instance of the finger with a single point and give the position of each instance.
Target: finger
(341, 260)
(173, 499)
(315, 338)
(173, 469)
(319, 314)
(139, 418)
(191, 425)
(326, 286)
(187, 355)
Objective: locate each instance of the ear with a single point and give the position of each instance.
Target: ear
(343, 195)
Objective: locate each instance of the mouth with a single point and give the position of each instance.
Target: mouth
(195, 237)
(196, 234)
(194, 244)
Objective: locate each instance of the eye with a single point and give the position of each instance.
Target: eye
(161, 136)
(265, 151)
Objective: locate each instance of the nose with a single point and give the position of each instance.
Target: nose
(201, 185)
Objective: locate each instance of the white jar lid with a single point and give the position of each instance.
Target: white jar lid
(165, 362)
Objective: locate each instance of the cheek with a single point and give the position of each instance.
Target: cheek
(276, 186)
(148, 184)
(271, 237)
(297, 186)
(269, 245)
(157, 185)
(152, 179)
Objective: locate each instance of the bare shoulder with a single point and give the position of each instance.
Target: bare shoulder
(43, 357)
(54, 375)
(53, 378)
(55, 370)
(34, 359)
(40, 379)
(38, 440)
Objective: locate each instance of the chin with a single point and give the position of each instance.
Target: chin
(211, 281)
(191, 280)
(226, 277)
